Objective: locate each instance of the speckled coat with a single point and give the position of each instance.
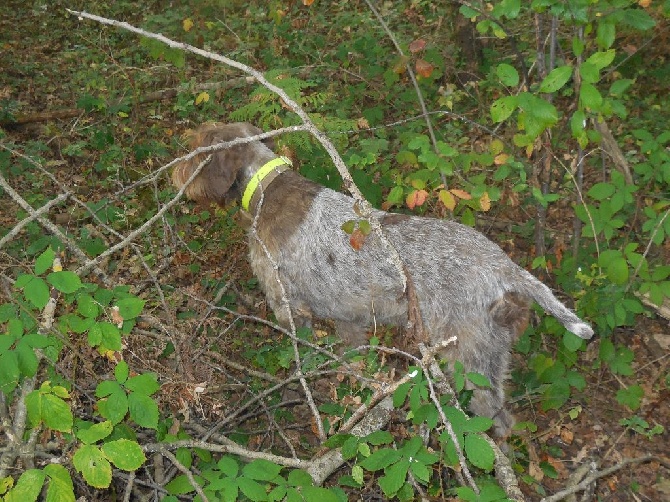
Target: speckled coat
(466, 286)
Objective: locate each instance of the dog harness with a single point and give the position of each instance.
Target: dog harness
(263, 177)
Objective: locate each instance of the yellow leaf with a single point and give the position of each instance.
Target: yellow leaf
(307, 3)
(203, 97)
(501, 159)
(447, 199)
(496, 146)
(187, 24)
(485, 202)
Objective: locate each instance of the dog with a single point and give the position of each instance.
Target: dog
(465, 285)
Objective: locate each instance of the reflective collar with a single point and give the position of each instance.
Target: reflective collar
(277, 166)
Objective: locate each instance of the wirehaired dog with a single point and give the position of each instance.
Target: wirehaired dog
(465, 285)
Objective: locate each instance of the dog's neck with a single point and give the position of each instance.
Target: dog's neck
(257, 175)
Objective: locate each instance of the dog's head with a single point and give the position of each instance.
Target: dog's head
(217, 180)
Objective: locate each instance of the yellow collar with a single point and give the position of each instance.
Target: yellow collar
(278, 165)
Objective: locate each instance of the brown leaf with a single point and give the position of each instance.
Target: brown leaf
(567, 435)
(424, 68)
(417, 45)
(461, 194)
(357, 239)
(307, 2)
(416, 198)
(116, 316)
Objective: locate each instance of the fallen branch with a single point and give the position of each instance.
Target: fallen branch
(597, 475)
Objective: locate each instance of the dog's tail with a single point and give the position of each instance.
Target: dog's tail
(533, 288)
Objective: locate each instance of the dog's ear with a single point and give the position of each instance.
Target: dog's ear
(252, 130)
(215, 180)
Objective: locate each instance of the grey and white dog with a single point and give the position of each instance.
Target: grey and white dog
(465, 285)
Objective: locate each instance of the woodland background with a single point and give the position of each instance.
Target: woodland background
(138, 360)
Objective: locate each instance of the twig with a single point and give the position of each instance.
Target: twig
(412, 77)
(51, 228)
(597, 475)
(228, 446)
(187, 473)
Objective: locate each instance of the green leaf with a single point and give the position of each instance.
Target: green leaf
(350, 448)
(400, 394)
(28, 487)
(502, 108)
(507, 74)
(638, 19)
(556, 79)
(555, 395)
(261, 470)
(379, 437)
(589, 97)
(106, 335)
(617, 270)
(631, 397)
(124, 454)
(467, 494)
(143, 410)
(144, 384)
(87, 306)
(420, 471)
(121, 372)
(478, 379)
(114, 407)
(380, 459)
(130, 308)
(589, 73)
(478, 451)
(36, 291)
(478, 424)
(93, 466)
(299, 477)
(320, 494)
(572, 342)
(251, 489)
(601, 191)
(56, 413)
(620, 86)
(605, 34)
(601, 59)
(621, 362)
(28, 362)
(44, 261)
(60, 487)
(394, 478)
(64, 281)
(9, 372)
(180, 485)
(96, 432)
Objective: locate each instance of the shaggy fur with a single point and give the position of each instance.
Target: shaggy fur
(466, 286)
